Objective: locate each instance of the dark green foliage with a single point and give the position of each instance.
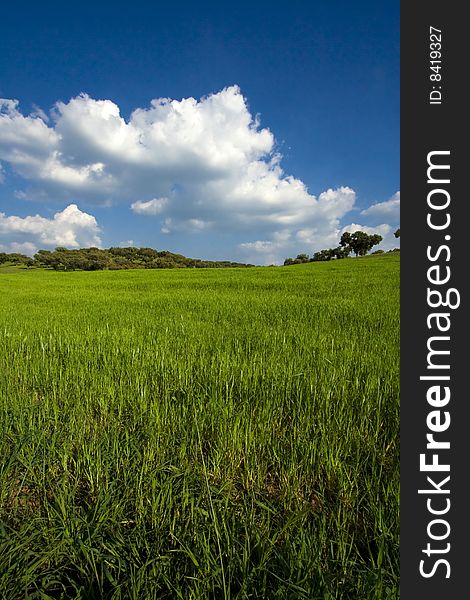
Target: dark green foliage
(300, 259)
(331, 253)
(342, 252)
(323, 255)
(14, 258)
(96, 259)
(345, 239)
(360, 242)
(397, 233)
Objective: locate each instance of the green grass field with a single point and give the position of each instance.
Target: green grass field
(201, 433)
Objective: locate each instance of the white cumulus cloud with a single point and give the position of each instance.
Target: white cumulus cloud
(150, 207)
(191, 165)
(385, 210)
(70, 227)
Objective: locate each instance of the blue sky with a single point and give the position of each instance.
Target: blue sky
(291, 136)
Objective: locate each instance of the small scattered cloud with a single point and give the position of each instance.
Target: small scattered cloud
(38, 112)
(265, 252)
(318, 228)
(385, 210)
(150, 207)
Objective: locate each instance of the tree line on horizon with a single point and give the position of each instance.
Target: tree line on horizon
(97, 259)
(116, 258)
(358, 242)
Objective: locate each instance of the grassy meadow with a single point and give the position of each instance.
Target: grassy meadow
(200, 433)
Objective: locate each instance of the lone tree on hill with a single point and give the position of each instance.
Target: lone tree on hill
(360, 242)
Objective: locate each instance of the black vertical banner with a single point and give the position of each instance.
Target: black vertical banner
(435, 360)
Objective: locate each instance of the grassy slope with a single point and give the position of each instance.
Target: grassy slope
(201, 434)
